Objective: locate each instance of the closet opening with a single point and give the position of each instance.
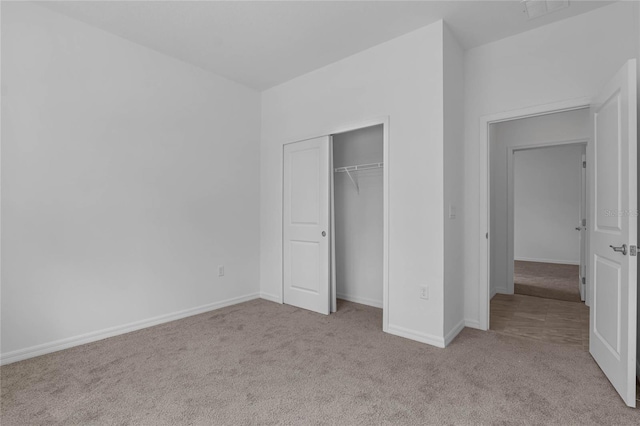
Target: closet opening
(335, 220)
(357, 218)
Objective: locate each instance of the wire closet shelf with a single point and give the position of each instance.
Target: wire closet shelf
(357, 168)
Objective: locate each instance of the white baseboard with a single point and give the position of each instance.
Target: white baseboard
(429, 339)
(361, 300)
(58, 345)
(494, 291)
(472, 324)
(270, 297)
(501, 290)
(562, 262)
(448, 338)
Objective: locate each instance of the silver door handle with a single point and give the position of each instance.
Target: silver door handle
(622, 249)
(578, 228)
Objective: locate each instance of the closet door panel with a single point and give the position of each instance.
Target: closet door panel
(306, 268)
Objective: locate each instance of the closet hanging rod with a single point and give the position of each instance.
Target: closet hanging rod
(359, 167)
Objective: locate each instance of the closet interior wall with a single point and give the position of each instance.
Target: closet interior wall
(359, 216)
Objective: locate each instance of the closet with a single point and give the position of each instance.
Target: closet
(357, 240)
(333, 216)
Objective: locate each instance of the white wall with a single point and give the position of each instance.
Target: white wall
(401, 79)
(547, 194)
(127, 177)
(359, 217)
(570, 125)
(569, 59)
(454, 233)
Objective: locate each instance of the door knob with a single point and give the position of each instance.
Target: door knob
(324, 234)
(622, 249)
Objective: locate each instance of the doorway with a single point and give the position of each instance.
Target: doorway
(335, 219)
(357, 216)
(537, 187)
(549, 220)
(612, 232)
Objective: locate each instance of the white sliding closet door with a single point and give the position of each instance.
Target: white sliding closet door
(306, 248)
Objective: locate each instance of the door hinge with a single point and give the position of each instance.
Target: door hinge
(584, 222)
(584, 280)
(584, 164)
(633, 251)
(486, 235)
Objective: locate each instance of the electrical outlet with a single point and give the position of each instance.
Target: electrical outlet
(424, 292)
(221, 270)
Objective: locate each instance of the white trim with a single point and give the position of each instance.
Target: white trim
(500, 290)
(559, 262)
(448, 338)
(332, 231)
(270, 297)
(385, 225)
(58, 345)
(472, 324)
(429, 339)
(361, 300)
(494, 291)
(484, 190)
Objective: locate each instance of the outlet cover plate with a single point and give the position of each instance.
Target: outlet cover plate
(424, 292)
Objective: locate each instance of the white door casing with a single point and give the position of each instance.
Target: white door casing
(486, 233)
(582, 219)
(613, 199)
(306, 239)
(332, 202)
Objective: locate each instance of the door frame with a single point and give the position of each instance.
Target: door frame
(484, 291)
(584, 234)
(344, 128)
(511, 150)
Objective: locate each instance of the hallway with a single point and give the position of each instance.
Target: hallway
(548, 280)
(548, 320)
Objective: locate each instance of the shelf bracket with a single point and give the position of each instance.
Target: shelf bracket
(353, 181)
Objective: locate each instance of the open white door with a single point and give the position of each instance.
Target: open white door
(612, 253)
(306, 224)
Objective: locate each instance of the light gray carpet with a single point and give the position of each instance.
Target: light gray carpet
(264, 363)
(548, 280)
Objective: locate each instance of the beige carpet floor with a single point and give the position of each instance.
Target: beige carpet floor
(264, 363)
(548, 280)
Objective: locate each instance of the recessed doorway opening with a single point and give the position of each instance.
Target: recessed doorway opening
(538, 216)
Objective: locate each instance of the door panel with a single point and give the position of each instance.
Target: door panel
(306, 224)
(607, 295)
(612, 336)
(305, 259)
(305, 186)
(608, 171)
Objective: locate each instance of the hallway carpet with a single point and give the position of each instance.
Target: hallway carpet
(548, 280)
(265, 363)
